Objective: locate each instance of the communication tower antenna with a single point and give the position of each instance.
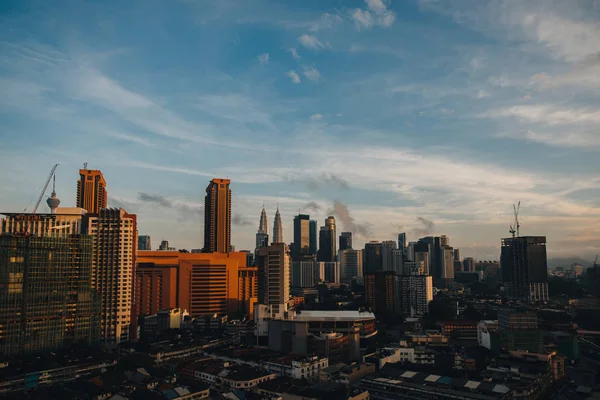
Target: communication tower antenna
(514, 228)
(85, 165)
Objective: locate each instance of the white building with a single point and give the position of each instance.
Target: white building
(414, 292)
(483, 332)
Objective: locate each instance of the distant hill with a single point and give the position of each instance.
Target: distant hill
(567, 261)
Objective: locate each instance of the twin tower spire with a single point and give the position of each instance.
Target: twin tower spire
(263, 229)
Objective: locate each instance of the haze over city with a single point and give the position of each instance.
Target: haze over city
(429, 117)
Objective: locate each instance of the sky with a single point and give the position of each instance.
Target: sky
(417, 116)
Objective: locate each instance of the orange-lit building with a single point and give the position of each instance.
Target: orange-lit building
(217, 217)
(156, 281)
(206, 283)
(91, 191)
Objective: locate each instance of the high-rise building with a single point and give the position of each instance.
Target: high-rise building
(524, 268)
(144, 242)
(402, 243)
(398, 261)
(380, 291)
(277, 228)
(447, 278)
(46, 285)
(372, 260)
(301, 246)
(262, 236)
(329, 271)
(387, 261)
(519, 330)
(441, 259)
(91, 191)
(248, 290)
(345, 241)
(313, 249)
(327, 241)
(164, 245)
(304, 274)
(469, 264)
(156, 281)
(422, 258)
(415, 292)
(274, 277)
(351, 264)
(115, 236)
(217, 217)
(457, 255)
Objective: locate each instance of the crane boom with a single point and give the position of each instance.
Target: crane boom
(37, 204)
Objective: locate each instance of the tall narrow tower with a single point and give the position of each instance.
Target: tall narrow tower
(53, 201)
(263, 230)
(217, 217)
(91, 191)
(277, 228)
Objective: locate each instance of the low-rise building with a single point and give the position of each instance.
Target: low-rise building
(484, 329)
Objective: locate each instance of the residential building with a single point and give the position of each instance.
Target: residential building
(144, 242)
(91, 191)
(414, 292)
(351, 264)
(248, 289)
(484, 332)
(372, 260)
(345, 241)
(327, 241)
(274, 277)
(115, 235)
(525, 268)
(46, 291)
(277, 228)
(217, 217)
(156, 281)
(380, 291)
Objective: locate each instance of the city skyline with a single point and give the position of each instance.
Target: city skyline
(411, 119)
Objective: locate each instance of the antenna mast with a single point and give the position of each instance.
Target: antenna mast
(514, 228)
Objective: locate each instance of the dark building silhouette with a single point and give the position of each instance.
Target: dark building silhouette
(380, 291)
(327, 241)
(312, 227)
(301, 245)
(144, 242)
(372, 260)
(524, 268)
(217, 217)
(345, 241)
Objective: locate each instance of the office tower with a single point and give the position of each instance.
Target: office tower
(301, 246)
(372, 257)
(387, 247)
(262, 235)
(209, 283)
(164, 245)
(410, 251)
(91, 191)
(402, 243)
(304, 274)
(351, 264)
(329, 271)
(441, 259)
(448, 268)
(277, 228)
(115, 236)
(469, 264)
(414, 294)
(144, 242)
(345, 241)
(313, 249)
(217, 217)
(398, 262)
(45, 286)
(380, 291)
(327, 241)
(155, 281)
(274, 277)
(524, 268)
(457, 255)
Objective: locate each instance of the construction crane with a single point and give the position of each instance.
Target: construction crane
(514, 228)
(37, 204)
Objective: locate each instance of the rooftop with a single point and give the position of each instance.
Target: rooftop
(243, 373)
(348, 316)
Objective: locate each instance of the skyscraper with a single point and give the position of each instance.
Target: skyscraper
(217, 217)
(312, 237)
(144, 242)
(263, 230)
(387, 260)
(91, 191)
(303, 274)
(351, 264)
(524, 266)
(402, 243)
(115, 236)
(327, 241)
(456, 254)
(345, 241)
(277, 228)
(469, 264)
(274, 277)
(372, 257)
(441, 259)
(380, 290)
(414, 294)
(301, 245)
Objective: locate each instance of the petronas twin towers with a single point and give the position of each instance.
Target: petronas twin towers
(262, 236)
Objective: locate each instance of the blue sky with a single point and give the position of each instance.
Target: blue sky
(424, 116)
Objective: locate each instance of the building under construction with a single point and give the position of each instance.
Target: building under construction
(525, 268)
(46, 297)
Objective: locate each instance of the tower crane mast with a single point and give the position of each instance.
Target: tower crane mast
(514, 228)
(39, 200)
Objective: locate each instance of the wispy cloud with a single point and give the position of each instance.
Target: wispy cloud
(293, 76)
(263, 58)
(316, 117)
(294, 52)
(131, 138)
(548, 114)
(310, 42)
(311, 73)
(376, 14)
